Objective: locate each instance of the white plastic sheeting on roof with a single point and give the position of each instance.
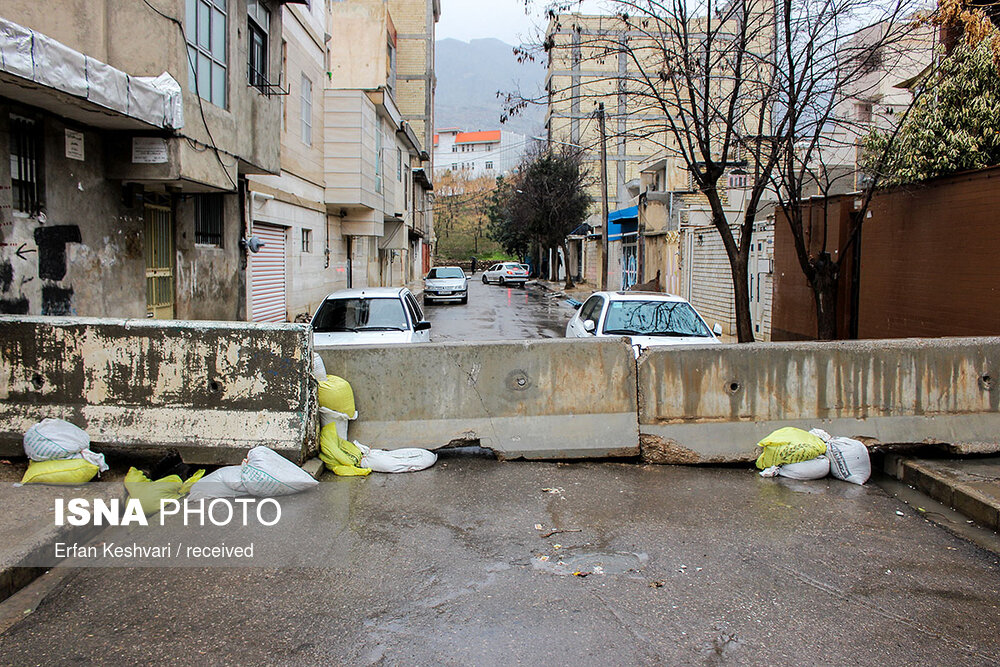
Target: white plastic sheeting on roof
(33, 56)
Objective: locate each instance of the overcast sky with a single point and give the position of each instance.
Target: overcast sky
(503, 19)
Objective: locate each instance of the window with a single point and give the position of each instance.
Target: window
(258, 24)
(26, 164)
(284, 78)
(489, 165)
(208, 219)
(378, 159)
(454, 166)
(399, 164)
(307, 240)
(205, 28)
(737, 180)
(863, 112)
(306, 110)
(454, 149)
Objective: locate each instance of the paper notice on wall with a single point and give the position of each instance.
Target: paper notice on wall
(149, 150)
(74, 145)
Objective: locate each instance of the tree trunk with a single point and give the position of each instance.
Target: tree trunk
(825, 291)
(569, 275)
(741, 295)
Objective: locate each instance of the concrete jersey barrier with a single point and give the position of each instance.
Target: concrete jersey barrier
(713, 404)
(211, 389)
(533, 399)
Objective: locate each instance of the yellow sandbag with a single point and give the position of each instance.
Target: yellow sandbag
(336, 394)
(150, 493)
(338, 455)
(789, 445)
(59, 471)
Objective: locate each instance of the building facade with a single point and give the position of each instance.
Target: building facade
(124, 167)
(476, 154)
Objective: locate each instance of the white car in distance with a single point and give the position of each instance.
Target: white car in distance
(369, 316)
(648, 319)
(446, 283)
(506, 273)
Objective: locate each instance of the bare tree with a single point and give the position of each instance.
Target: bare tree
(723, 85)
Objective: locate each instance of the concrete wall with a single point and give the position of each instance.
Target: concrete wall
(210, 389)
(538, 399)
(714, 403)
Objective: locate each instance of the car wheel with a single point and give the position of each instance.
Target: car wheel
(502, 281)
(485, 282)
(465, 299)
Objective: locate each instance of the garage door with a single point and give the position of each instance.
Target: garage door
(267, 275)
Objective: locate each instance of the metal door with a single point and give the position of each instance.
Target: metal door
(630, 262)
(159, 251)
(267, 275)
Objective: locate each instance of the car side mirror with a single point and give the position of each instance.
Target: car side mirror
(422, 326)
(717, 329)
(589, 326)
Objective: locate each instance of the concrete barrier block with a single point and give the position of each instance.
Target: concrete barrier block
(210, 389)
(712, 404)
(533, 399)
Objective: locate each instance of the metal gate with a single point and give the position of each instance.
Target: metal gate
(267, 275)
(159, 250)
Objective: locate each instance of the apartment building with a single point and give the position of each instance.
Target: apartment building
(481, 153)
(304, 256)
(127, 134)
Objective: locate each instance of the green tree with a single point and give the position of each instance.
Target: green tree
(549, 200)
(953, 126)
(500, 226)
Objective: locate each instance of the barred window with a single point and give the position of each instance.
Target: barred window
(208, 219)
(26, 164)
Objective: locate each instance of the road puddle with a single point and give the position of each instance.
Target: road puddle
(581, 564)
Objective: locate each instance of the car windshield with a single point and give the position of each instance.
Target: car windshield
(653, 318)
(445, 272)
(360, 315)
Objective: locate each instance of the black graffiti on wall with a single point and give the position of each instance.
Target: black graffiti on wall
(14, 306)
(51, 243)
(6, 275)
(57, 300)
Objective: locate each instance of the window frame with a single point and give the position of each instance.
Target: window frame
(305, 109)
(196, 51)
(307, 240)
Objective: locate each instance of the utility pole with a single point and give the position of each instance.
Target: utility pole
(604, 197)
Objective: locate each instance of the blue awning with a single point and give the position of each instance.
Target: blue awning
(623, 221)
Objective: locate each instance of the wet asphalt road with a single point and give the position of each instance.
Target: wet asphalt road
(498, 313)
(684, 566)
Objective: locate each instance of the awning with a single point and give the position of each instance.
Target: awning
(38, 70)
(622, 222)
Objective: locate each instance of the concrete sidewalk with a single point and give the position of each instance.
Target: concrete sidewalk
(970, 486)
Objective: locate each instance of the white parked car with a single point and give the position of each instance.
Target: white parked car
(649, 319)
(446, 283)
(369, 316)
(506, 273)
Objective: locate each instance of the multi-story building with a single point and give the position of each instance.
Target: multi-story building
(127, 132)
(304, 256)
(481, 153)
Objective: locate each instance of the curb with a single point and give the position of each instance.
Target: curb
(946, 488)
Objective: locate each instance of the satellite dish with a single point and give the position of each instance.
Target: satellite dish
(253, 244)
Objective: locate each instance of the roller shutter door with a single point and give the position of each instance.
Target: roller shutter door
(267, 270)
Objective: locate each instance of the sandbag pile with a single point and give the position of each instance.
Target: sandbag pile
(805, 455)
(60, 454)
(353, 459)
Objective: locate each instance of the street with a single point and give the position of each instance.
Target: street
(496, 312)
(455, 565)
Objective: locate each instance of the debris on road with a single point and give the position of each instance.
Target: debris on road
(60, 454)
(808, 455)
(555, 532)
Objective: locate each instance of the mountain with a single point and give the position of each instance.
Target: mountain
(469, 74)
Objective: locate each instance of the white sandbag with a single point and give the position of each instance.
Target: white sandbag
(849, 460)
(225, 482)
(816, 468)
(328, 416)
(52, 439)
(408, 459)
(821, 434)
(319, 368)
(267, 473)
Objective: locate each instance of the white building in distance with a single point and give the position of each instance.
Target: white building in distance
(489, 153)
